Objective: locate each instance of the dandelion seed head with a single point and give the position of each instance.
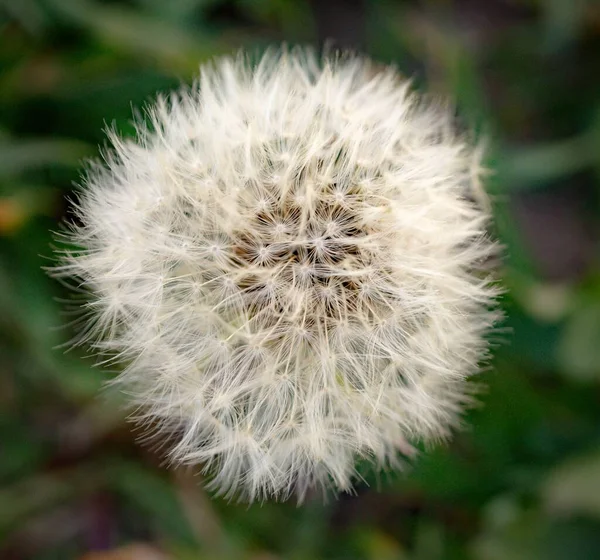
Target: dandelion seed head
(288, 260)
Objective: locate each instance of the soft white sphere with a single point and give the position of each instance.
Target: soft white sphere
(287, 261)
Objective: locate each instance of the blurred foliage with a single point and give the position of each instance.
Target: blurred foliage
(522, 482)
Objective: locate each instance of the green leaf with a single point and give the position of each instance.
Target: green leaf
(293, 17)
(562, 21)
(510, 532)
(42, 492)
(572, 488)
(27, 12)
(20, 449)
(178, 11)
(578, 351)
(377, 545)
(530, 167)
(139, 32)
(154, 495)
(18, 156)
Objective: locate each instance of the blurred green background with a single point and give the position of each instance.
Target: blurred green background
(521, 482)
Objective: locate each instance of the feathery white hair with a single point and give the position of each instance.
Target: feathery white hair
(287, 259)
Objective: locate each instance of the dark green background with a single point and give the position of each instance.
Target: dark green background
(521, 482)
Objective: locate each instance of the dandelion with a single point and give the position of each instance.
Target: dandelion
(288, 262)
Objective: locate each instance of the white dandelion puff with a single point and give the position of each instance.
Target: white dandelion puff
(288, 259)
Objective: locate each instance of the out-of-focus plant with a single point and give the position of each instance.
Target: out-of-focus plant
(519, 483)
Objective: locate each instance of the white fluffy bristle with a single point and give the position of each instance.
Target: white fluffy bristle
(287, 262)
